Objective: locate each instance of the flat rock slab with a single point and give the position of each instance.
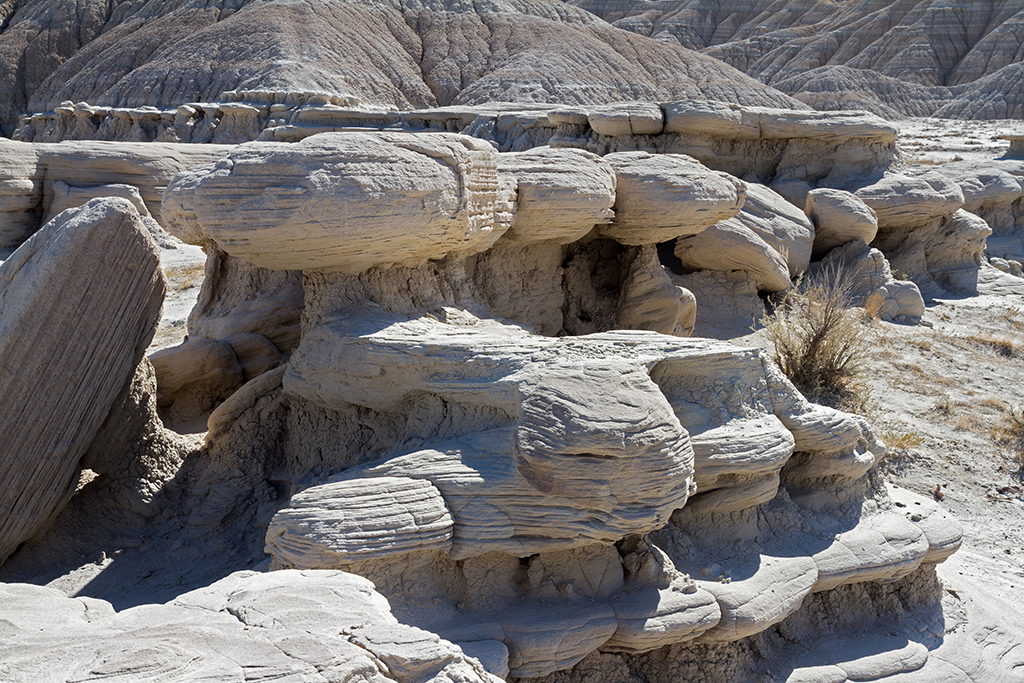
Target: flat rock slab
(300, 627)
(78, 305)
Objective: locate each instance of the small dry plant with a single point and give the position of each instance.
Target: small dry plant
(1004, 346)
(820, 342)
(1010, 433)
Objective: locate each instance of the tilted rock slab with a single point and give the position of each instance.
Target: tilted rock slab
(663, 196)
(78, 305)
(770, 239)
(344, 202)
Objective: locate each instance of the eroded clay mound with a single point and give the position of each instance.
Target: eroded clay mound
(896, 59)
(404, 55)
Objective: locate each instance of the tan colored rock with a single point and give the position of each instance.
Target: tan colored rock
(770, 239)
(195, 376)
(54, 315)
(663, 196)
(148, 167)
(307, 206)
(839, 217)
(651, 301)
(902, 202)
(67, 197)
(626, 118)
(725, 120)
(336, 524)
(563, 194)
(21, 185)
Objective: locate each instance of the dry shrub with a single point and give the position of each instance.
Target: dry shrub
(1010, 433)
(873, 305)
(898, 439)
(819, 342)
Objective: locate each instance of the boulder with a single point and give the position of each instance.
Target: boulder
(839, 217)
(311, 205)
(663, 196)
(79, 303)
(563, 194)
(903, 202)
(770, 239)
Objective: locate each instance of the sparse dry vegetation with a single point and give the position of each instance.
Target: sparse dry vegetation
(820, 343)
(1003, 346)
(185, 277)
(1009, 432)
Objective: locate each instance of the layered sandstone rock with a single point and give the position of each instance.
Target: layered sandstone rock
(59, 387)
(424, 195)
(770, 239)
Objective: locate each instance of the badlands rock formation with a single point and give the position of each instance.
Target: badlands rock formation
(126, 56)
(910, 58)
(447, 352)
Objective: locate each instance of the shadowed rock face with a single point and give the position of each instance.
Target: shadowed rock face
(69, 343)
(404, 55)
(907, 58)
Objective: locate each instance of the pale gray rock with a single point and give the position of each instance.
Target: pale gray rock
(432, 194)
(307, 627)
(54, 315)
(626, 118)
(650, 617)
(21, 190)
(864, 272)
(895, 60)
(770, 239)
(663, 196)
(562, 194)
(839, 217)
(651, 301)
(881, 548)
(196, 376)
(336, 524)
(773, 592)
(148, 167)
(727, 302)
(77, 56)
(904, 202)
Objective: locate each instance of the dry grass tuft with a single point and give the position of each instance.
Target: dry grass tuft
(1004, 346)
(820, 343)
(180, 278)
(898, 439)
(1010, 433)
(873, 305)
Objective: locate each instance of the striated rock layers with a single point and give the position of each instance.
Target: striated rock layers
(911, 58)
(63, 370)
(492, 413)
(406, 55)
